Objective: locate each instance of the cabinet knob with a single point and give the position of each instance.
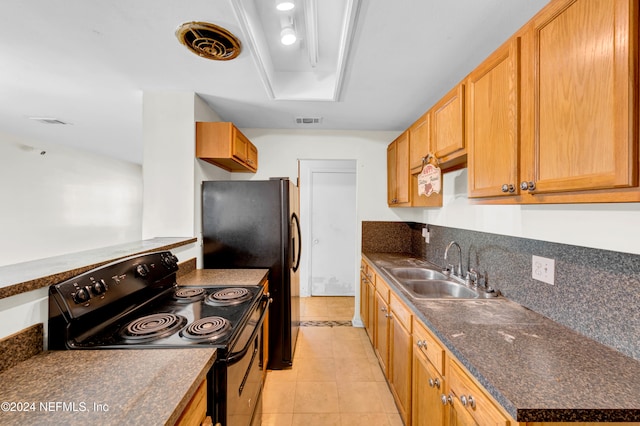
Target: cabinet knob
(446, 399)
(527, 186)
(508, 188)
(383, 309)
(422, 344)
(434, 383)
(463, 400)
(472, 402)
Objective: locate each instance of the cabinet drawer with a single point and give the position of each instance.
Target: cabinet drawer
(472, 397)
(383, 289)
(428, 345)
(400, 312)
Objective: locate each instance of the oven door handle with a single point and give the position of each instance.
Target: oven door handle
(238, 355)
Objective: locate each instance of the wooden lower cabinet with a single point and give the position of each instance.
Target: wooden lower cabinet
(381, 326)
(473, 400)
(400, 348)
(427, 388)
(195, 413)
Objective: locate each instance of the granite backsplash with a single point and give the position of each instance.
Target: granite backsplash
(596, 292)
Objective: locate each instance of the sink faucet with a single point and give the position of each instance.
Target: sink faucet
(457, 272)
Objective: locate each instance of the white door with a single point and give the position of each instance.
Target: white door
(331, 228)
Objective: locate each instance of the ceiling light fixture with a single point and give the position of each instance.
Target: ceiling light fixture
(288, 36)
(284, 5)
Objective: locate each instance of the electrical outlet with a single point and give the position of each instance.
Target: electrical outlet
(543, 269)
(425, 234)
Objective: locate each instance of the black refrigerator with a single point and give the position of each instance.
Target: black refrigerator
(255, 224)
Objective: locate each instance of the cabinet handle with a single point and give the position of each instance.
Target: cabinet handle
(463, 400)
(508, 188)
(434, 382)
(527, 186)
(472, 402)
(446, 399)
(383, 309)
(422, 344)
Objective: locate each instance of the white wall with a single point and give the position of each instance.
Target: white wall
(603, 226)
(63, 201)
(172, 175)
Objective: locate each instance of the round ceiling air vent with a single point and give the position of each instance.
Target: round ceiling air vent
(209, 41)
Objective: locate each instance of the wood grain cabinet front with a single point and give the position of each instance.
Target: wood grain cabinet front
(580, 102)
(222, 144)
(400, 348)
(470, 400)
(398, 171)
(492, 124)
(447, 128)
(195, 413)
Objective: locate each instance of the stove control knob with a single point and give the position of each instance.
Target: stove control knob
(81, 295)
(99, 287)
(142, 270)
(170, 261)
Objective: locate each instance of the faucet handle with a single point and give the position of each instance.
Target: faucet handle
(475, 278)
(449, 269)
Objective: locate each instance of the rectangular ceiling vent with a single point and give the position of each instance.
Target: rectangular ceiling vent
(308, 120)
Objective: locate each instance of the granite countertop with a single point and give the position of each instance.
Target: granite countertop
(230, 277)
(35, 274)
(106, 387)
(537, 369)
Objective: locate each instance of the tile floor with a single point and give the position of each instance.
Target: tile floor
(335, 379)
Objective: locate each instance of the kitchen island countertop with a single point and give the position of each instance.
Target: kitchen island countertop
(537, 369)
(106, 387)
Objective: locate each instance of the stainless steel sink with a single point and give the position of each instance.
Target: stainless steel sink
(427, 283)
(416, 274)
(440, 289)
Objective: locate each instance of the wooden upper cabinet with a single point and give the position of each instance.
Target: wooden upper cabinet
(579, 97)
(492, 123)
(419, 135)
(447, 128)
(398, 171)
(222, 144)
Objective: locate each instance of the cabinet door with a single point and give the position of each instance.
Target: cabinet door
(252, 156)
(458, 415)
(392, 173)
(447, 127)
(472, 398)
(427, 390)
(492, 124)
(580, 107)
(402, 168)
(364, 289)
(400, 362)
(381, 330)
(371, 298)
(419, 134)
(240, 144)
(398, 171)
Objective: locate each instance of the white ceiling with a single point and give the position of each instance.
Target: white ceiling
(88, 63)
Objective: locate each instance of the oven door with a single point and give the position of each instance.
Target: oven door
(244, 376)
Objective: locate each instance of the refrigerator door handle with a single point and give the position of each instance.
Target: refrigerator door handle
(294, 218)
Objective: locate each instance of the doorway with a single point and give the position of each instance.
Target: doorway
(329, 224)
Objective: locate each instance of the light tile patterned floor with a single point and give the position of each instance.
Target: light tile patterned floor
(335, 379)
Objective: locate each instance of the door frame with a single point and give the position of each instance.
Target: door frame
(306, 169)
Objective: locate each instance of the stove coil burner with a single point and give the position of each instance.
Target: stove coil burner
(189, 294)
(228, 296)
(154, 326)
(209, 328)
